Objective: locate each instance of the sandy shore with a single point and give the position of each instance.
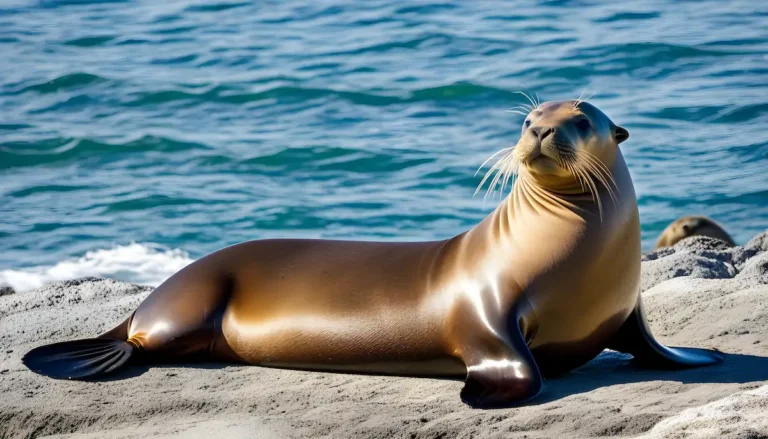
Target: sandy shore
(698, 293)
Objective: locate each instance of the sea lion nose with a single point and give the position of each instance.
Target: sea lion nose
(542, 132)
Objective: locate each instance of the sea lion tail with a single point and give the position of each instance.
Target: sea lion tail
(79, 359)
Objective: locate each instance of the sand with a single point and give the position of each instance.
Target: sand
(698, 293)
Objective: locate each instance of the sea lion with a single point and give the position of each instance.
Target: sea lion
(686, 226)
(542, 285)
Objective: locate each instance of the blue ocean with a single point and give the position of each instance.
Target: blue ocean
(137, 136)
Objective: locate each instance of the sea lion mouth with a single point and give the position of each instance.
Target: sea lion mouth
(549, 151)
(560, 151)
(531, 154)
(556, 151)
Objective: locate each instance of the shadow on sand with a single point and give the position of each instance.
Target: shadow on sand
(138, 369)
(608, 369)
(612, 368)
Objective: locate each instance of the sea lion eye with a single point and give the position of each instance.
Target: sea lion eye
(527, 123)
(583, 124)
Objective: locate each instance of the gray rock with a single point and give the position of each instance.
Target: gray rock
(756, 245)
(756, 268)
(705, 258)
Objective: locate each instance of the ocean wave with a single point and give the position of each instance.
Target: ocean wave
(64, 82)
(709, 113)
(90, 41)
(146, 264)
(215, 7)
(627, 16)
(459, 91)
(276, 88)
(19, 154)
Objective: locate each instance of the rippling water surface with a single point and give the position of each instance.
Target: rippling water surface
(136, 136)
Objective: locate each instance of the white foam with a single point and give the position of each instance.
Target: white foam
(146, 264)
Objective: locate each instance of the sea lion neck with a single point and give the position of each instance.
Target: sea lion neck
(538, 203)
(533, 208)
(558, 186)
(546, 197)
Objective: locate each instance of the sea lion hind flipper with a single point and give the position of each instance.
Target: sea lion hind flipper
(513, 379)
(79, 359)
(635, 338)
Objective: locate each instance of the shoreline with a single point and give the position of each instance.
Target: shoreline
(697, 294)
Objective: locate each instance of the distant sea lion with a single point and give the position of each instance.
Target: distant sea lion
(539, 287)
(686, 226)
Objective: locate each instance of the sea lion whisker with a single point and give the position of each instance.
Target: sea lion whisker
(586, 178)
(592, 189)
(492, 185)
(517, 112)
(568, 165)
(523, 107)
(491, 190)
(602, 166)
(530, 99)
(503, 150)
(497, 167)
(510, 173)
(579, 100)
(594, 170)
(488, 174)
(502, 170)
(564, 150)
(600, 177)
(582, 179)
(582, 98)
(604, 174)
(605, 177)
(509, 169)
(578, 178)
(509, 177)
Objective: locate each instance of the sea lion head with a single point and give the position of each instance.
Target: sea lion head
(565, 147)
(560, 140)
(686, 226)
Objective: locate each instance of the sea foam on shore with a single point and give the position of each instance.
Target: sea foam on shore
(145, 264)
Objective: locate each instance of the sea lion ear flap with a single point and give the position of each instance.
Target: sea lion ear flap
(620, 134)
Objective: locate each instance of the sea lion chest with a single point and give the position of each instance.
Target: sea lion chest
(581, 278)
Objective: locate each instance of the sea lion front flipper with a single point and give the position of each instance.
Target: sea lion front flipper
(500, 373)
(635, 337)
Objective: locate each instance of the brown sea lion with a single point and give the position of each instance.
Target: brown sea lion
(540, 286)
(686, 226)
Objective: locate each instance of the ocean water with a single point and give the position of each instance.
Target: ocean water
(137, 136)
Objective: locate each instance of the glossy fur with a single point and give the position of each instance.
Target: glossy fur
(540, 286)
